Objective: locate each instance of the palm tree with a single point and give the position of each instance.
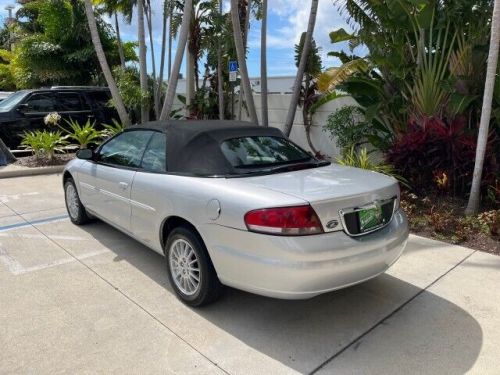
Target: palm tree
(246, 22)
(300, 72)
(181, 45)
(240, 52)
(149, 21)
(115, 94)
(166, 7)
(141, 35)
(220, 83)
(482, 138)
(263, 65)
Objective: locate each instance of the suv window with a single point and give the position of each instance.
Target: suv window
(154, 157)
(100, 98)
(69, 102)
(126, 149)
(43, 102)
(252, 152)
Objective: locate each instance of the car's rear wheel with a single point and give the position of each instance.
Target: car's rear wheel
(76, 210)
(190, 269)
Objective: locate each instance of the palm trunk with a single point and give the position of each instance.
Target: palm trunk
(162, 58)
(245, 41)
(240, 52)
(263, 65)
(220, 82)
(181, 46)
(115, 94)
(300, 72)
(141, 35)
(482, 138)
(119, 41)
(153, 62)
(170, 42)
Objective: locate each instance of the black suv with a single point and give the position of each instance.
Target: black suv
(25, 110)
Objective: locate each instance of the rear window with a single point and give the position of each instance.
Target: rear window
(248, 152)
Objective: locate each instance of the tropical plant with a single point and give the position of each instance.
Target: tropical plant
(96, 40)
(174, 76)
(348, 127)
(112, 129)
(362, 159)
(240, 53)
(83, 135)
(294, 101)
(482, 140)
(45, 143)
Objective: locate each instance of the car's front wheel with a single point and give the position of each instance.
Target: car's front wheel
(190, 269)
(76, 210)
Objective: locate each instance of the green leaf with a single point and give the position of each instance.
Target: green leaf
(458, 103)
(340, 35)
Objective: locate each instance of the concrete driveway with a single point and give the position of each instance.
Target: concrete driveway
(91, 300)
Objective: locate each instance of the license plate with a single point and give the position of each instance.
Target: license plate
(369, 218)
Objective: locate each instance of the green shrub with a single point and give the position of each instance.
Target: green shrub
(83, 135)
(347, 126)
(45, 143)
(115, 128)
(362, 159)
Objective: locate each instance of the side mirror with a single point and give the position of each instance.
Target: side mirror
(85, 154)
(22, 107)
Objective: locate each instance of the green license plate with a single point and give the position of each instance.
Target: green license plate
(369, 218)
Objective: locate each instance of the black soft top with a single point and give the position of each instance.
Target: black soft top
(193, 146)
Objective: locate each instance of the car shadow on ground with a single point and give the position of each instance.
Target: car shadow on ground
(427, 333)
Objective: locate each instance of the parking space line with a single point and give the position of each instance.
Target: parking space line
(28, 223)
(12, 264)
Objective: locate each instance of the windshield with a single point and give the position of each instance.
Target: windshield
(258, 151)
(12, 100)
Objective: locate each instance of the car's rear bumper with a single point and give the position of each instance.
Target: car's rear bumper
(302, 267)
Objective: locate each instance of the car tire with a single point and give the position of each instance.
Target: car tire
(76, 211)
(189, 268)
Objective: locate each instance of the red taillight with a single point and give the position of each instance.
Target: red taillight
(285, 221)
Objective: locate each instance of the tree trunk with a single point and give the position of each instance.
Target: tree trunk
(482, 138)
(162, 57)
(220, 82)
(6, 156)
(119, 41)
(190, 76)
(171, 13)
(300, 72)
(245, 42)
(117, 99)
(181, 46)
(153, 62)
(141, 35)
(240, 51)
(263, 65)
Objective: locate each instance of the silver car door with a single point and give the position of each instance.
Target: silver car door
(147, 189)
(112, 174)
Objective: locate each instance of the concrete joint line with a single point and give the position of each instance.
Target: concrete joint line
(390, 315)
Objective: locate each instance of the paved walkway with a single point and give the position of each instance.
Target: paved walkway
(89, 299)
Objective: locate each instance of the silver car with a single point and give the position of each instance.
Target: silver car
(233, 204)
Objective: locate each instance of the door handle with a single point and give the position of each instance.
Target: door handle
(123, 185)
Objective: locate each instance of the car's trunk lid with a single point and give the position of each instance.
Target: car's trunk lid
(330, 189)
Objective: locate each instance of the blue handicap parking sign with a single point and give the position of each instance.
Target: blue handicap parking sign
(233, 66)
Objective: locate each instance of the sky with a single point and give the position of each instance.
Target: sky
(287, 19)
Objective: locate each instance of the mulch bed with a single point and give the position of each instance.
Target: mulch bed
(442, 218)
(32, 161)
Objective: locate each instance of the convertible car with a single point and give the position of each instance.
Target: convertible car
(229, 203)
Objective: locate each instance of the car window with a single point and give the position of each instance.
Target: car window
(41, 103)
(100, 98)
(69, 102)
(12, 100)
(261, 150)
(154, 157)
(125, 149)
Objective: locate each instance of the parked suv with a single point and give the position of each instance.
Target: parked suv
(25, 110)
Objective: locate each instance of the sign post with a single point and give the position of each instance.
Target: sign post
(233, 73)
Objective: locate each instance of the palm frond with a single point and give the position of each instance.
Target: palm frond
(331, 78)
